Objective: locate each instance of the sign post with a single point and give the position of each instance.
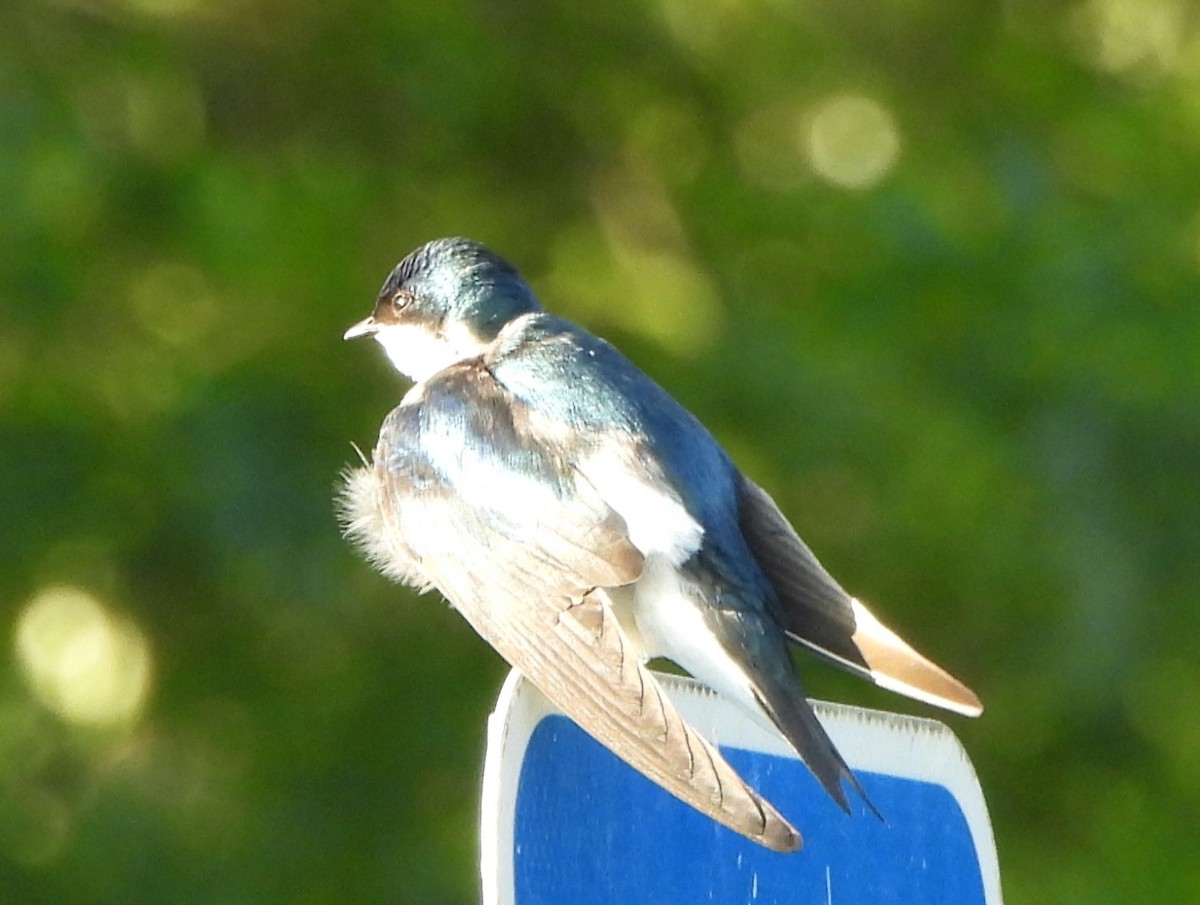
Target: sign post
(564, 820)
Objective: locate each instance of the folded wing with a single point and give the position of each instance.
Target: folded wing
(525, 559)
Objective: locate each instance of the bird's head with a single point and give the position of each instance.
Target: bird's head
(443, 303)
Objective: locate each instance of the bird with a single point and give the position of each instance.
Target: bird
(584, 523)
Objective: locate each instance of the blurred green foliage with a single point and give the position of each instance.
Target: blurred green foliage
(930, 270)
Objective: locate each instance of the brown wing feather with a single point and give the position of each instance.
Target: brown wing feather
(575, 653)
(565, 638)
(816, 612)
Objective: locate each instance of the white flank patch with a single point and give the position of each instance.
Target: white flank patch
(657, 522)
(672, 626)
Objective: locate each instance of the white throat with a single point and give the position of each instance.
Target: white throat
(419, 353)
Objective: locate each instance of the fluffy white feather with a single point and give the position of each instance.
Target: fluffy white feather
(363, 524)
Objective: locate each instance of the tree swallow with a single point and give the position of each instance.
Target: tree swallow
(583, 523)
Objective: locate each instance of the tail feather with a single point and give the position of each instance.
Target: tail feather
(816, 612)
(795, 719)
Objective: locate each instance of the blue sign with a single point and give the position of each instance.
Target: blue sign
(566, 821)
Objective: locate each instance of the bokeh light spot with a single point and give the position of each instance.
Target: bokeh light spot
(635, 271)
(852, 141)
(165, 116)
(83, 662)
(158, 114)
(171, 301)
(165, 8)
(1124, 35)
(700, 25)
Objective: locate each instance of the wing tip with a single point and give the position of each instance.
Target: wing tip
(960, 699)
(786, 843)
(893, 664)
(778, 835)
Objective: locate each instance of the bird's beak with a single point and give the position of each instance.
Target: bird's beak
(366, 327)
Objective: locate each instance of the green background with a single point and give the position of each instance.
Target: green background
(972, 380)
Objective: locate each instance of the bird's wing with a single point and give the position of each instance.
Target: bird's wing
(704, 603)
(572, 649)
(479, 502)
(817, 613)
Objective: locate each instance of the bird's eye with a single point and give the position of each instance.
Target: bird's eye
(401, 299)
